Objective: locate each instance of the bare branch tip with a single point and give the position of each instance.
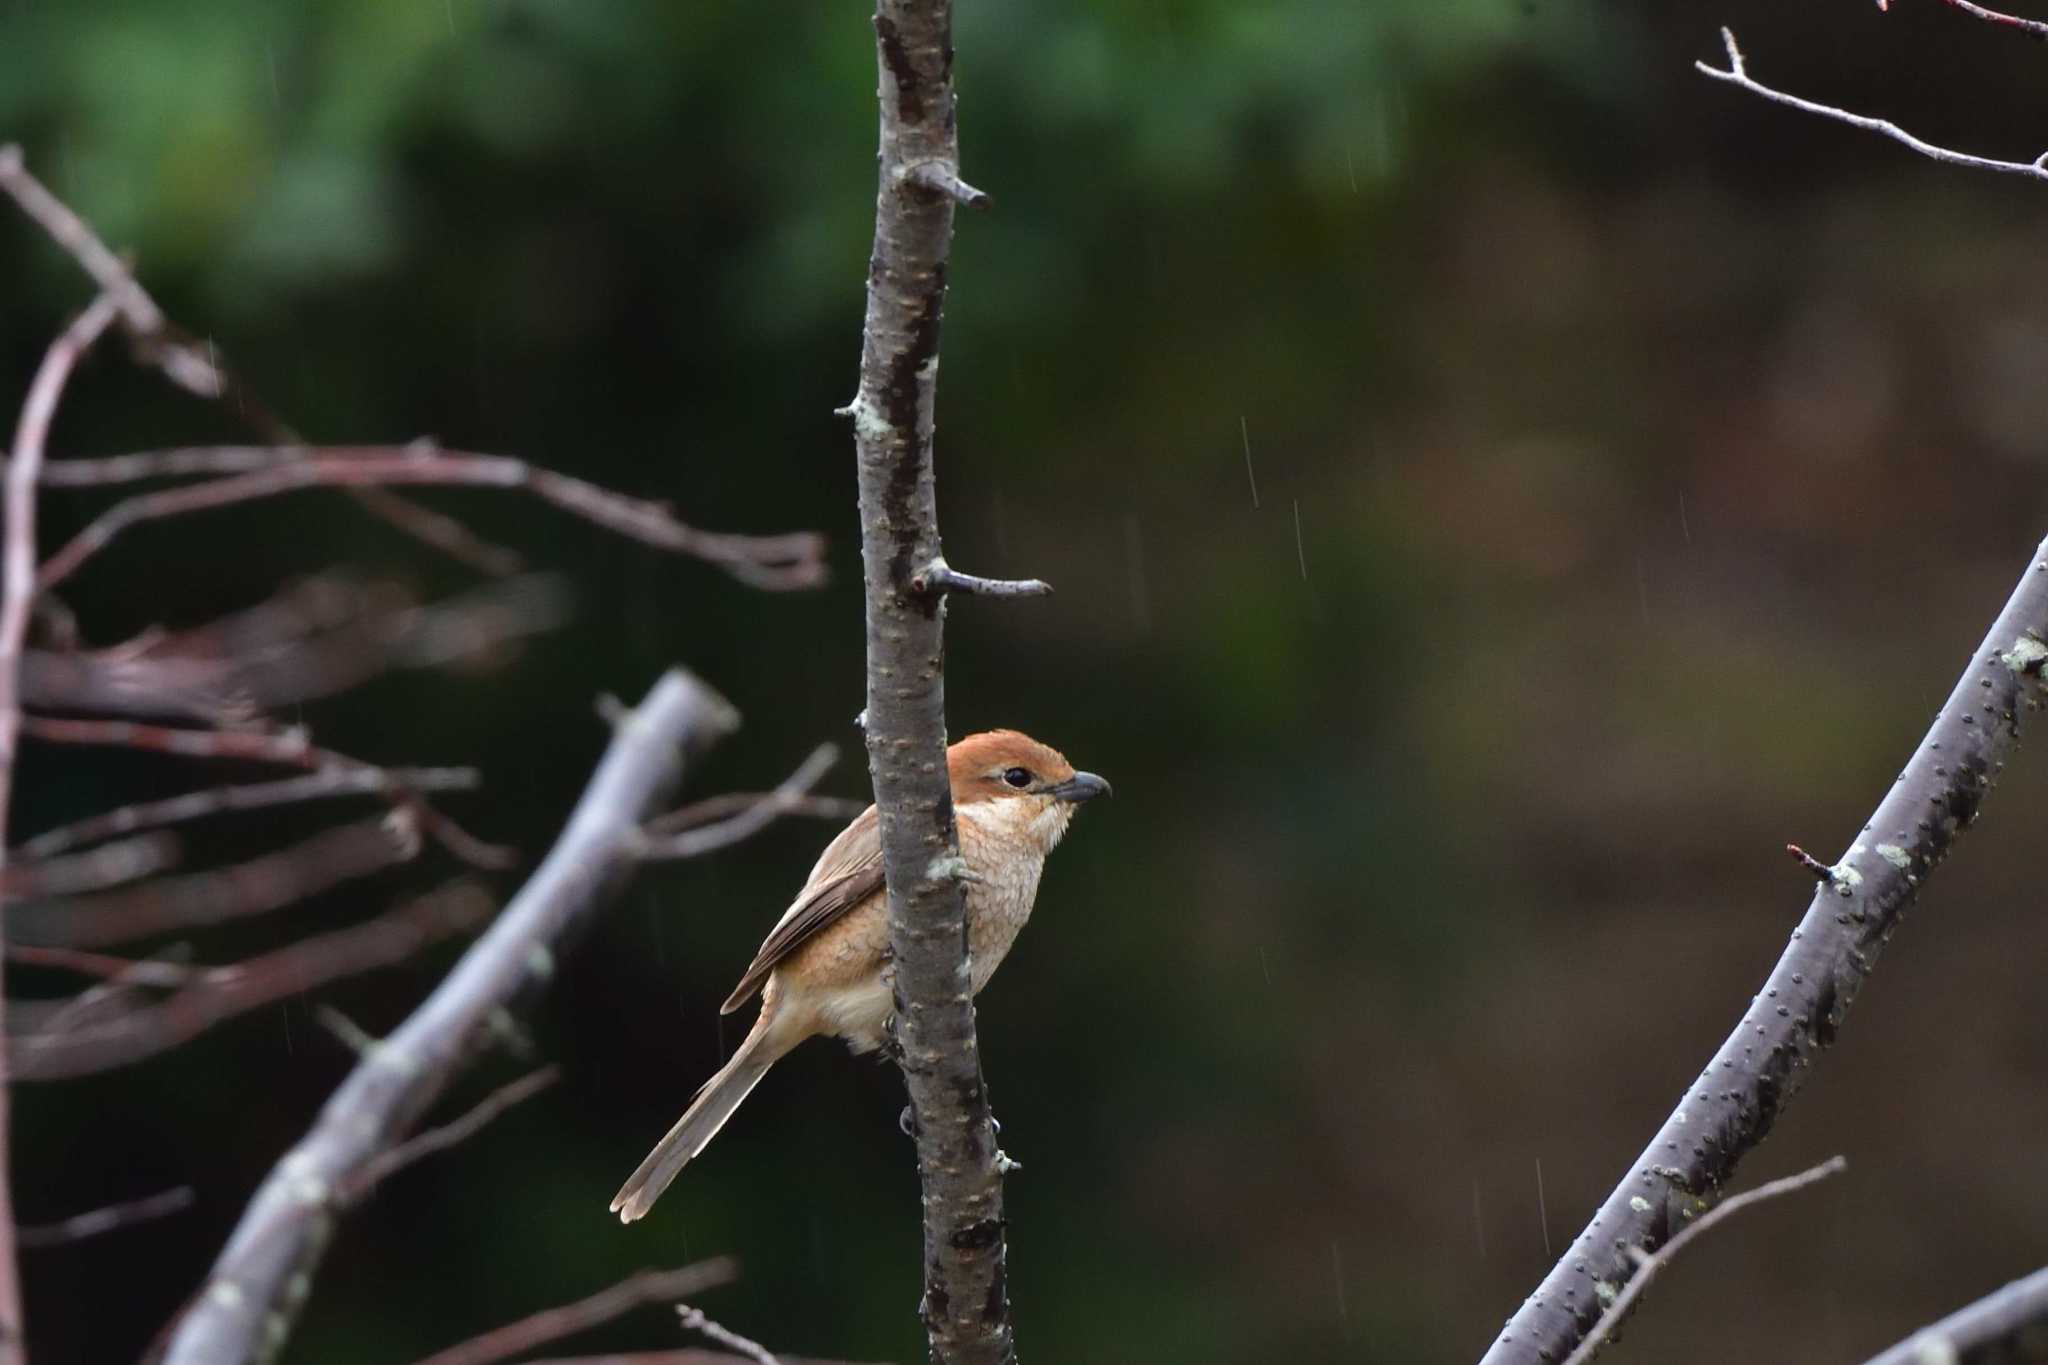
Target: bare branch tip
(1821, 871)
(938, 177)
(941, 577)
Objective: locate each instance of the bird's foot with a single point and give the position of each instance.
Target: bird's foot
(907, 1121)
(1004, 1165)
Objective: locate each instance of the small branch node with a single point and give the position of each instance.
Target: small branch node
(942, 177)
(353, 1036)
(941, 577)
(1821, 871)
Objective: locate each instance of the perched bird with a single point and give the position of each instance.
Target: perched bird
(823, 968)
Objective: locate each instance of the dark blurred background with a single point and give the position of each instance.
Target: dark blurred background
(1636, 464)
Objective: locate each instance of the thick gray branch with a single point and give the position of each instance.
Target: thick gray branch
(247, 1305)
(2009, 1327)
(1731, 1107)
(966, 1306)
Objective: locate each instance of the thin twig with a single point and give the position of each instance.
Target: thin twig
(941, 577)
(449, 1134)
(642, 1290)
(2010, 1326)
(711, 809)
(164, 346)
(1650, 1266)
(165, 975)
(258, 1283)
(1738, 74)
(110, 865)
(1774, 1045)
(685, 1356)
(228, 677)
(17, 594)
(270, 881)
(695, 1320)
(789, 561)
(693, 843)
(2033, 28)
(289, 747)
(81, 1226)
(104, 1001)
(214, 995)
(323, 785)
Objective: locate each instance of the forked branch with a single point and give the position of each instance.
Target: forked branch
(1737, 73)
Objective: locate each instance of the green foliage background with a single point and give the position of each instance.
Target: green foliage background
(1634, 465)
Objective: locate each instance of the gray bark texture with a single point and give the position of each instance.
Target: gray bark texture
(1730, 1108)
(965, 1306)
(2009, 1327)
(245, 1310)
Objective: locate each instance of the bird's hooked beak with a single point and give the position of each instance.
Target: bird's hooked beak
(1078, 788)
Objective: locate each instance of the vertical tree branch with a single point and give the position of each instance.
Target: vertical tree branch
(246, 1309)
(1730, 1108)
(966, 1307)
(17, 593)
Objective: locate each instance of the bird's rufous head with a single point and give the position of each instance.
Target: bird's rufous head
(999, 765)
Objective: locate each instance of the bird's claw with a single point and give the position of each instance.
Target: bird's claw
(907, 1121)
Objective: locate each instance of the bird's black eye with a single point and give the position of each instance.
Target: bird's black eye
(1018, 777)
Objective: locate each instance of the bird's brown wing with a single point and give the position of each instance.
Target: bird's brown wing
(848, 872)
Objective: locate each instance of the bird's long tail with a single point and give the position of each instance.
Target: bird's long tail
(712, 1105)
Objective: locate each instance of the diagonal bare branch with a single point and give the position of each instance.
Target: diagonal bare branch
(257, 1285)
(1722, 1117)
(2008, 1327)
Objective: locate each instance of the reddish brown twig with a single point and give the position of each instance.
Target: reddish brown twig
(161, 969)
(326, 784)
(449, 1134)
(81, 1226)
(211, 996)
(230, 675)
(265, 883)
(195, 367)
(127, 971)
(17, 592)
(677, 835)
(289, 747)
(646, 1288)
(81, 873)
(2033, 28)
(780, 562)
